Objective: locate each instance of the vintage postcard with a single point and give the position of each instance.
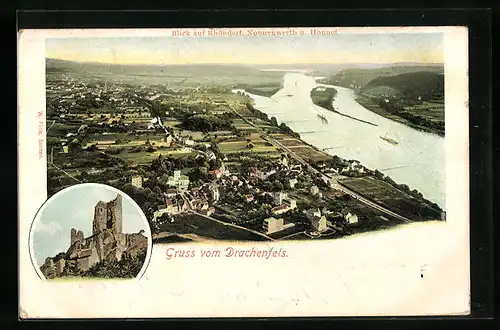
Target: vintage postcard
(243, 172)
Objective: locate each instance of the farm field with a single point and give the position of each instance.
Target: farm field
(388, 196)
(193, 223)
(148, 157)
(309, 153)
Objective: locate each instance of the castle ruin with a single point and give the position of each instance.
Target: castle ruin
(107, 242)
(108, 216)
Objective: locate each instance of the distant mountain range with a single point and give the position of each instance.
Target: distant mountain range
(333, 68)
(342, 74)
(316, 67)
(57, 64)
(173, 75)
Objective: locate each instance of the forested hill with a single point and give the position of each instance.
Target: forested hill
(424, 84)
(359, 77)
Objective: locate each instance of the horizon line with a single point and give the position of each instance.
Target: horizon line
(243, 64)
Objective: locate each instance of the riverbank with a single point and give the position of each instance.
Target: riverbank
(394, 198)
(368, 104)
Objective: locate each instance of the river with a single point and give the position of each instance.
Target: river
(418, 160)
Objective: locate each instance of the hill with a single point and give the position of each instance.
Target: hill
(360, 77)
(173, 75)
(424, 84)
(413, 98)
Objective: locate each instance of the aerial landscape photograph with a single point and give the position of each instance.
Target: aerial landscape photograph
(255, 138)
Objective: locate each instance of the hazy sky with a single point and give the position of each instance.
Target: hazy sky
(341, 48)
(75, 209)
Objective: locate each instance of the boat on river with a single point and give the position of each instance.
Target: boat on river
(389, 140)
(323, 119)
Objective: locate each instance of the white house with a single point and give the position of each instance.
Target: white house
(211, 155)
(319, 223)
(279, 197)
(178, 180)
(214, 192)
(168, 140)
(186, 141)
(272, 225)
(265, 175)
(137, 181)
(314, 190)
(284, 161)
(312, 213)
(291, 203)
(351, 218)
(292, 183)
(330, 182)
(171, 193)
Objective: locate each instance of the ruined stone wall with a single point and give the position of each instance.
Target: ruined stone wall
(115, 221)
(97, 248)
(76, 236)
(83, 263)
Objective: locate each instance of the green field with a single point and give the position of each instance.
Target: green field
(310, 154)
(230, 147)
(431, 111)
(394, 199)
(291, 142)
(171, 123)
(147, 157)
(137, 120)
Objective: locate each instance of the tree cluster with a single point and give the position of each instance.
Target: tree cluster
(127, 267)
(207, 123)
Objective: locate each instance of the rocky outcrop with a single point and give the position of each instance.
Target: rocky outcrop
(103, 247)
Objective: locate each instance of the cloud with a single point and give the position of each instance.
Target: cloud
(50, 228)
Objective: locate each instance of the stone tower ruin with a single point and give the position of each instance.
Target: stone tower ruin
(108, 216)
(76, 236)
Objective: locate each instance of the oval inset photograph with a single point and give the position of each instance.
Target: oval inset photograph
(90, 231)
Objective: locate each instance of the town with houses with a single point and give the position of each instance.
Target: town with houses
(203, 163)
